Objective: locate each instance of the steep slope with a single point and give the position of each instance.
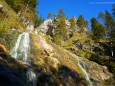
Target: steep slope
(57, 66)
(9, 20)
(80, 42)
(54, 65)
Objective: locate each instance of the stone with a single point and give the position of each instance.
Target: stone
(44, 26)
(30, 27)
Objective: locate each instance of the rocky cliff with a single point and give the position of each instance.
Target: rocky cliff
(36, 60)
(56, 66)
(53, 65)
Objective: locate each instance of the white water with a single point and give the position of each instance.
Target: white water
(85, 74)
(31, 76)
(21, 51)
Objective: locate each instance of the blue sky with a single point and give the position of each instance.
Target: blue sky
(74, 7)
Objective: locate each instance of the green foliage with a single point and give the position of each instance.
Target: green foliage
(98, 29)
(9, 19)
(57, 39)
(60, 32)
(81, 22)
(108, 20)
(61, 13)
(113, 10)
(51, 15)
(37, 20)
(47, 38)
(109, 23)
(85, 53)
(72, 23)
(82, 37)
(101, 15)
(17, 5)
(27, 8)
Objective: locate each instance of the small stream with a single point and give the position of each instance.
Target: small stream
(85, 74)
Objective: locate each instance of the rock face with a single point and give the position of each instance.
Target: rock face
(11, 71)
(29, 25)
(48, 26)
(45, 26)
(58, 67)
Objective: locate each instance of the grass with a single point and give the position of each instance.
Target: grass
(9, 19)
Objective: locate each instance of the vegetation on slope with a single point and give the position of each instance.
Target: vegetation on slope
(9, 19)
(96, 44)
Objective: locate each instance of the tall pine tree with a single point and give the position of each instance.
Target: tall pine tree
(97, 29)
(60, 31)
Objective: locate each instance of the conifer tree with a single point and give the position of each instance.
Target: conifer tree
(81, 22)
(97, 29)
(72, 23)
(61, 13)
(60, 32)
(113, 9)
(51, 15)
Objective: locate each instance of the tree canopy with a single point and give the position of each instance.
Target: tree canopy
(97, 29)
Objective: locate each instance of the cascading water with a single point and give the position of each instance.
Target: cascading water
(85, 74)
(21, 51)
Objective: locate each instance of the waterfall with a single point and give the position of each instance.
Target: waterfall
(85, 74)
(21, 51)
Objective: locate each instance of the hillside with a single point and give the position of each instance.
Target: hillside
(55, 52)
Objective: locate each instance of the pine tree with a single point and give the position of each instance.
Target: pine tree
(113, 10)
(60, 32)
(61, 13)
(81, 22)
(51, 15)
(72, 23)
(109, 23)
(97, 29)
(108, 20)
